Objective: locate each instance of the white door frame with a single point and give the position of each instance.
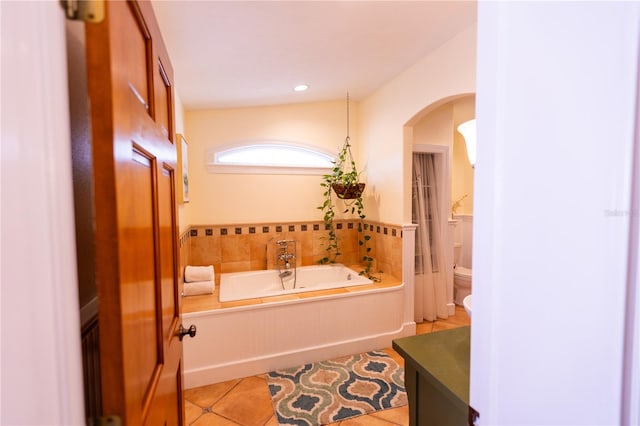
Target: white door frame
(40, 356)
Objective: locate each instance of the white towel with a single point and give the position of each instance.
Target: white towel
(198, 273)
(198, 287)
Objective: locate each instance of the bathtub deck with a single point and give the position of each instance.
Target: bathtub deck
(212, 301)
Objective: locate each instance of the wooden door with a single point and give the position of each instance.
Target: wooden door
(134, 171)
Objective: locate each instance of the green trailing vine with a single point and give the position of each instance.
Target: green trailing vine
(344, 183)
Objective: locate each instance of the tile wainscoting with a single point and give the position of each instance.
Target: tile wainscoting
(247, 247)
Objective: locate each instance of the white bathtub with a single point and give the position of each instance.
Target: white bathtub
(254, 284)
(248, 340)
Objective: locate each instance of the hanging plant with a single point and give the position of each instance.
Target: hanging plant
(348, 191)
(344, 182)
(344, 177)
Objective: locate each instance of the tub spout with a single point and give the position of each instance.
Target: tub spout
(285, 274)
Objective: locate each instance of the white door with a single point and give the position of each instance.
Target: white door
(556, 110)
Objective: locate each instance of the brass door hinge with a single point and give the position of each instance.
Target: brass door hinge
(84, 10)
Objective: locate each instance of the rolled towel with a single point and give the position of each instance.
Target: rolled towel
(198, 273)
(198, 287)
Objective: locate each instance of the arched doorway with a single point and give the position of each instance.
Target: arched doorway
(431, 138)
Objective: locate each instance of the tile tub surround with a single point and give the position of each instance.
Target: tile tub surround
(248, 247)
(184, 243)
(378, 308)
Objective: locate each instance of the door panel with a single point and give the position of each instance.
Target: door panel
(131, 96)
(138, 54)
(142, 342)
(168, 244)
(163, 100)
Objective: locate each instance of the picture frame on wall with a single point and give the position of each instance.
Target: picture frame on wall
(183, 168)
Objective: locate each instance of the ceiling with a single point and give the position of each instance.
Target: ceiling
(250, 53)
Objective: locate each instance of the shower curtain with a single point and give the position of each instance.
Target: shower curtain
(430, 278)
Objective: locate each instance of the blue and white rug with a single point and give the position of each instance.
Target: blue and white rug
(329, 391)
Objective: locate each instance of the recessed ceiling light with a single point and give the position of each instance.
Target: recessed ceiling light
(301, 87)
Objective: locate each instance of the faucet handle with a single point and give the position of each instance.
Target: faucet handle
(284, 242)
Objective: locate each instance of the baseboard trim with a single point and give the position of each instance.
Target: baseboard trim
(451, 308)
(252, 366)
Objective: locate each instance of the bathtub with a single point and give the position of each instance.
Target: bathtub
(257, 284)
(280, 332)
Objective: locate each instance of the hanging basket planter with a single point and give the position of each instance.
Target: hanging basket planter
(348, 192)
(344, 182)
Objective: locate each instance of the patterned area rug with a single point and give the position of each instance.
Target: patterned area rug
(329, 391)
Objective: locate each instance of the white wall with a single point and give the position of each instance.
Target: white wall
(438, 126)
(462, 172)
(555, 109)
(377, 129)
(234, 198)
(446, 72)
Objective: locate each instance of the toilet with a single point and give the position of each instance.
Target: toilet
(461, 284)
(462, 256)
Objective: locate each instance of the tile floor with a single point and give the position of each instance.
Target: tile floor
(246, 401)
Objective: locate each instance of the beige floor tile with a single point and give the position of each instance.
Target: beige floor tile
(440, 326)
(206, 396)
(248, 403)
(192, 412)
(460, 319)
(273, 421)
(395, 355)
(212, 419)
(461, 316)
(367, 420)
(424, 327)
(398, 416)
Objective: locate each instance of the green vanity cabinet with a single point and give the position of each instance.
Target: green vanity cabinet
(437, 376)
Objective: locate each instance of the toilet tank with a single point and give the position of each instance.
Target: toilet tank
(457, 253)
(463, 238)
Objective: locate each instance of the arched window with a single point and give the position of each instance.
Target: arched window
(269, 157)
